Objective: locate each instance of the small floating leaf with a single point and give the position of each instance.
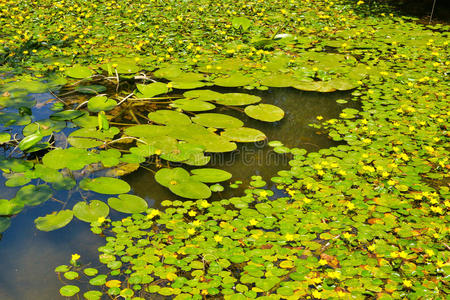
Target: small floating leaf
(54, 221)
(10, 207)
(66, 115)
(105, 185)
(191, 189)
(210, 175)
(5, 222)
(167, 176)
(33, 194)
(169, 117)
(99, 103)
(69, 290)
(192, 105)
(244, 134)
(237, 99)
(265, 112)
(127, 203)
(153, 89)
(90, 212)
(79, 72)
(217, 120)
(92, 295)
(147, 131)
(204, 95)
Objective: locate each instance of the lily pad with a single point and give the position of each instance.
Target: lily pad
(99, 103)
(127, 203)
(79, 72)
(10, 207)
(192, 105)
(187, 85)
(210, 175)
(91, 137)
(147, 131)
(237, 99)
(69, 290)
(33, 195)
(234, 80)
(244, 134)
(153, 89)
(54, 221)
(122, 66)
(204, 95)
(90, 212)
(5, 222)
(217, 120)
(105, 185)
(167, 117)
(191, 189)
(166, 176)
(67, 115)
(264, 112)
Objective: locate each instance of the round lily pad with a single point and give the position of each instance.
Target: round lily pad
(237, 99)
(217, 120)
(191, 189)
(5, 222)
(210, 175)
(105, 185)
(244, 134)
(91, 137)
(166, 176)
(33, 194)
(122, 66)
(90, 212)
(99, 103)
(93, 295)
(54, 221)
(147, 131)
(153, 89)
(279, 80)
(9, 207)
(69, 290)
(265, 112)
(234, 80)
(171, 117)
(192, 105)
(204, 95)
(127, 203)
(187, 85)
(67, 115)
(79, 72)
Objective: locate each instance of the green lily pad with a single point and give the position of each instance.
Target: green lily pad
(93, 295)
(54, 221)
(279, 80)
(69, 290)
(187, 85)
(166, 176)
(169, 117)
(191, 189)
(99, 103)
(122, 66)
(210, 175)
(310, 86)
(67, 115)
(91, 137)
(79, 72)
(90, 212)
(244, 134)
(153, 89)
(46, 127)
(264, 112)
(10, 207)
(217, 120)
(71, 158)
(234, 80)
(90, 89)
(127, 203)
(203, 95)
(5, 222)
(4, 137)
(192, 105)
(33, 195)
(105, 185)
(237, 99)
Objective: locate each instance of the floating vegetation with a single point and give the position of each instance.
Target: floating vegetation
(146, 84)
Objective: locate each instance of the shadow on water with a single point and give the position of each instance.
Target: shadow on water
(28, 256)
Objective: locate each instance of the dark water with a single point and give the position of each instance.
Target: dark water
(28, 256)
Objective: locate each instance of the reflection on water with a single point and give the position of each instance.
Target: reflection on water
(301, 109)
(28, 256)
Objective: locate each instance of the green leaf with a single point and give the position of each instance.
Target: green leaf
(10, 207)
(69, 290)
(93, 295)
(153, 89)
(33, 195)
(243, 135)
(99, 103)
(191, 189)
(54, 221)
(169, 117)
(265, 112)
(79, 72)
(209, 175)
(192, 105)
(166, 177)
(90, 212)
(217, 120)
(127, 203)
(105, 185)
(241, 22)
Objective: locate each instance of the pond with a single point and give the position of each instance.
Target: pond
(29, 255)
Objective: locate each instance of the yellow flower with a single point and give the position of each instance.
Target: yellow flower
(218, 238)
(317, 294)
(289, 237)
(403, 254)
(196, 223)
(253, 222)
(429, 252)
(407, 283)
(192, 213)
(205, 204)
(75, 257)
(101, 220)
(191, 231)
(323, 262)
(347, 235)
(263, 194)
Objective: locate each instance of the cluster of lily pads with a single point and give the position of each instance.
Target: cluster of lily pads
(365, 219)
